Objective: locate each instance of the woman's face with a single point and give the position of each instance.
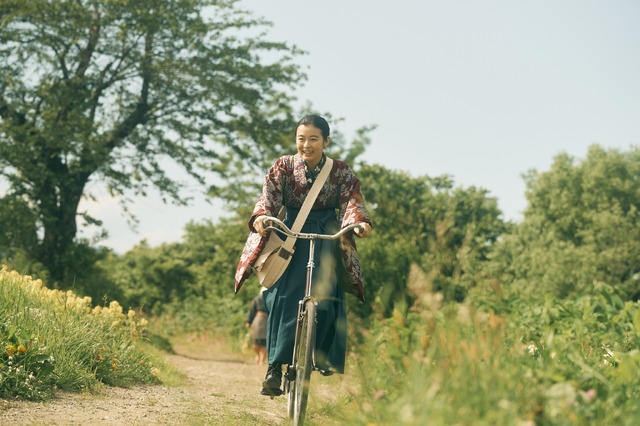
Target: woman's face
(310, 144)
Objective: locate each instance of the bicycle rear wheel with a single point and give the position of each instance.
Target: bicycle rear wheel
(304, 363)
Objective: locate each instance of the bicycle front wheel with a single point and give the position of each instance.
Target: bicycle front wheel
(304, 363)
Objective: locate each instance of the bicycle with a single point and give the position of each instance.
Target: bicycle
(298, 375)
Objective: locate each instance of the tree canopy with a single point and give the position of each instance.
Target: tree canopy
(110, 91)
(581, 225)
(443, 229)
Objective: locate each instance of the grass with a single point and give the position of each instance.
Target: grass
(51, 339)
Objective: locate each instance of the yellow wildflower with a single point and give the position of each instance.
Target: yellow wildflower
(22, 349)
(11, 350)
(115, 307)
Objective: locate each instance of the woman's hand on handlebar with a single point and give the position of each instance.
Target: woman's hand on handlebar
(363, 230)
(258, 225)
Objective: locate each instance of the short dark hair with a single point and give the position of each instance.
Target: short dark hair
(315, 120)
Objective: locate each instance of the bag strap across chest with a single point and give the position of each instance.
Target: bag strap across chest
(308, 202)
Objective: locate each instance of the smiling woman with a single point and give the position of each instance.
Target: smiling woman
(311, 141)
(338, 205)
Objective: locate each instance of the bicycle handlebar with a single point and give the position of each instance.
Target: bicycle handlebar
(275, 224)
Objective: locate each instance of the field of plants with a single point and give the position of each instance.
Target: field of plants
(501, 358)
(52, 339)
(468, 319)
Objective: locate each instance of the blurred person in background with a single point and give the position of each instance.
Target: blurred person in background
(257, 323)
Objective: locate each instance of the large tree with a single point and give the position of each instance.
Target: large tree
(109, 91)
(582, 224)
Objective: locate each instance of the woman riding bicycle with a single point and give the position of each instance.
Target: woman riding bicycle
(339, 204)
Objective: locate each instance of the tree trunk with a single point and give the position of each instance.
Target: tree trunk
(59, 210)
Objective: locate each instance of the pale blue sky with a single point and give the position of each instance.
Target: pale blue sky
(480, 90)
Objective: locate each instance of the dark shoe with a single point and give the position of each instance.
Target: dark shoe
(271, 392)
(323, 366)
(273, 380)
(329, 371)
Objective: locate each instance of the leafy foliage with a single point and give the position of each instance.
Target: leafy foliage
(149, 277)
(111, 92)
(18, 224)
(445, 230)
(543, 361)
(25, 366)
(548, 334)
(581, 224)
(188, 284)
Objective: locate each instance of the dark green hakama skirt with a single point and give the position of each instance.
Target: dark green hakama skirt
(282, 298)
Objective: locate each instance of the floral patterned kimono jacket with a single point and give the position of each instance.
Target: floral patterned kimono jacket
(287, 184)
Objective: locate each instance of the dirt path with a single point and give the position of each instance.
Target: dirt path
(221, 389)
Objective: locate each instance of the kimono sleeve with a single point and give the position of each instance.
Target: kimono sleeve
(352, 206)
(269, 203)
(352, 210)
(272, 196)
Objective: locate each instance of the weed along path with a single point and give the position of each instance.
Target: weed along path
(220, 388)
